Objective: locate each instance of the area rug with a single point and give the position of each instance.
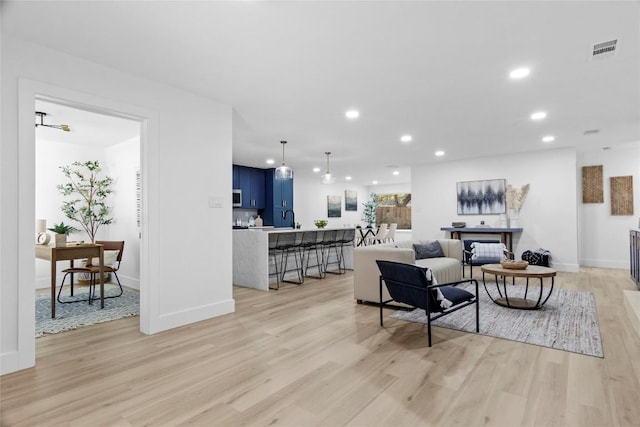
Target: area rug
(568, 321)
(78, 314)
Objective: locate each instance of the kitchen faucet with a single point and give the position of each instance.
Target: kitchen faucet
(293, 217)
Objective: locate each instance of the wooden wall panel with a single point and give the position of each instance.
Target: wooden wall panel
(621, 195)
(592, 184)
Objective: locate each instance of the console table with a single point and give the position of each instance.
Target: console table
(506, 234)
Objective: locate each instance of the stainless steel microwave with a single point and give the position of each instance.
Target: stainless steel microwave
(237, 198)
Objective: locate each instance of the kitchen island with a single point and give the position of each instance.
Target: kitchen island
(251, 255)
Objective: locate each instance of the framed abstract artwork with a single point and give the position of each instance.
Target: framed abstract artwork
(334, 206)
(350, 200)
(481, 197)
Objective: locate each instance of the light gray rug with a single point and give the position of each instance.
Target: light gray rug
(78, 314)
(568, 321)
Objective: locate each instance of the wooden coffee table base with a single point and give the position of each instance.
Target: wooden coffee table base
(531, 272)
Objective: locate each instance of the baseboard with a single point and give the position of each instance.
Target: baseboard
(605, 263)
(10, 362)
(192, 315)
(570, 268)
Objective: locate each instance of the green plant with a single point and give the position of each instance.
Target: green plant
(369, 212)
(321, 223)
(62, 228)
(89, 191)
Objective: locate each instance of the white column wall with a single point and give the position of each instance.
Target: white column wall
(186, 161)
(604, 238)
(548, 216)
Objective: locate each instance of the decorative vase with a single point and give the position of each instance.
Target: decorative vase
(258, 222)
(61, 240)
(503, 221)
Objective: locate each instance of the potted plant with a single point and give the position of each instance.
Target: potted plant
(62, 230)
(369, 212)
(88, 192)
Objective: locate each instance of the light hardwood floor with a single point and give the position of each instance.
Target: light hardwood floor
(309, 355)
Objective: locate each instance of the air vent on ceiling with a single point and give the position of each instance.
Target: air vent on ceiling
(605, 49)
(591, 132)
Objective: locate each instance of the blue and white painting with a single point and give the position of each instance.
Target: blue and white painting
(482, 197)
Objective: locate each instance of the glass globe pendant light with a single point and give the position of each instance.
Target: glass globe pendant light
(327, 178)
(284, 171)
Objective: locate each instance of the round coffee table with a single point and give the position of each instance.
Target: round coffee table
(531, 272)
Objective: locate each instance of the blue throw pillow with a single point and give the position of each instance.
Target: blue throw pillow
(429, 250)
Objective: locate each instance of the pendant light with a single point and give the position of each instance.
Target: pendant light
(327, 178)
(41, 115)
(284, 171)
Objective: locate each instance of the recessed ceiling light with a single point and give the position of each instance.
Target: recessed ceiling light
(406, 138)
(396, 173)
(348, 178)
(316, 170)
(270, 161)
(538, 115)
(352, 114)
(548, 138)
(439, 153)
(519, 73)
(374, 182)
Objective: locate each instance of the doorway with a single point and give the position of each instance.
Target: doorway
(114, 142)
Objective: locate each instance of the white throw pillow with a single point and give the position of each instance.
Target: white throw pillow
(488, 251)
(110, 259)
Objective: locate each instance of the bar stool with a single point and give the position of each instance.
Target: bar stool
(287, 246)
(329, 242)
(308, 245)
(273, 256)
(347, 239)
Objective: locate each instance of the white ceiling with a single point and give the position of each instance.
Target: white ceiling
(435, 70)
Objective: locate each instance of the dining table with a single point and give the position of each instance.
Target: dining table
(70, 252)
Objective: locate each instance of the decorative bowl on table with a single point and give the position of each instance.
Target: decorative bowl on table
(459, 224)
(514, 265)
(321, 223)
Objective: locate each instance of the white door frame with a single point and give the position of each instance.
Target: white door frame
(28, 92)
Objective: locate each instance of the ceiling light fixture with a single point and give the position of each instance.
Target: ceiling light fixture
(270, 161)
(519, 73)
(406, 138)
(327, 178)
(284, 171)
(316, 170)
(352, 114)
(40, 114)
(374, 182)
(439, 153)
(548, 138)
(348, 178)
(396, 173)
(538, 115)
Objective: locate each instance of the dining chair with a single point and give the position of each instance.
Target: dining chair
(379, 236)
(391, 233)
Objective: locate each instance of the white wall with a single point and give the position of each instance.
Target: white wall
(310, 202)
(604, 238)
(186, 161)
(122, 161)
(548, 216)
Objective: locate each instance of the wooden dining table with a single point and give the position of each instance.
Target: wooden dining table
(71, 252)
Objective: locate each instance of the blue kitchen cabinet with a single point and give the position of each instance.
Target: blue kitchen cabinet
(279, 199)
(252, 183)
